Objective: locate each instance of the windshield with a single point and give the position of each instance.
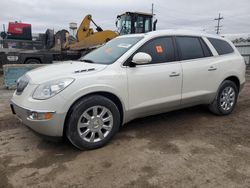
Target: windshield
(111, 51)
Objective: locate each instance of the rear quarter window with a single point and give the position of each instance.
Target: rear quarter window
(222, 47)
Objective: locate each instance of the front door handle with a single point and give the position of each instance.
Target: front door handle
(174, 74)
(212, 68)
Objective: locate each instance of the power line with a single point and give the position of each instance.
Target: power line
(218, 27)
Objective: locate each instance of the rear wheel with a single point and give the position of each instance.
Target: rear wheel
(226, 99)
(32, 61)
(93, 122)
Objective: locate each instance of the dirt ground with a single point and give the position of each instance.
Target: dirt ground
(185, 148)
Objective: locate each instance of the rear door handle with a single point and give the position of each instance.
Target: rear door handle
(212, 68)
(174, 74)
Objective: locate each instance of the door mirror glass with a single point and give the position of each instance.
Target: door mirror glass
(141, 58)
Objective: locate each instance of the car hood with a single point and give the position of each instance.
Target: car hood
(62, 70)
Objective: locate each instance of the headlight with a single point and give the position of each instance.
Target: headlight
(22, 83)
(50, 89)
(12, 58)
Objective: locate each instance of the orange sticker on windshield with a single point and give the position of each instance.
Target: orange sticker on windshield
(159, 49)
(109, 50)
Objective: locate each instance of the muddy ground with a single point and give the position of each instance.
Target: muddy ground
(185, 148)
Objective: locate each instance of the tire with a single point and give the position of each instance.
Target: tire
(81, 127)
(49, 39)
(32, 61)
(225, 95)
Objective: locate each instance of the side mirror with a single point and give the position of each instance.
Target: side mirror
(141, 58)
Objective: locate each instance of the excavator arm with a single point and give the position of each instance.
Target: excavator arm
(84, 29)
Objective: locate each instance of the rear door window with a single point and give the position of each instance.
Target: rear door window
(222, 47)
(189, 47)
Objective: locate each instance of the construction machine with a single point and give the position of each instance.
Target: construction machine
(63, 46)
(87, 38)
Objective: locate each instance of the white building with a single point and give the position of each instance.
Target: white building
(242, 43)
(244, 49)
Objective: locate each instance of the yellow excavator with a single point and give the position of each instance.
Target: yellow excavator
(88, 39)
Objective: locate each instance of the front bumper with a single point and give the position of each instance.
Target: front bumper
(52, 127)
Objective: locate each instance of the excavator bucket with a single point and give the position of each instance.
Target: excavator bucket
(94, 40)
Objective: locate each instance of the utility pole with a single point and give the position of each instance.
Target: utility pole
(218, 27)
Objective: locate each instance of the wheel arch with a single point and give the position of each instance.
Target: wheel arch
(29, 58)
(214, 106)
(234, 79)
(106, 94)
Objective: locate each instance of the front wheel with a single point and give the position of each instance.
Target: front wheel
(92, 123)
(226, 99)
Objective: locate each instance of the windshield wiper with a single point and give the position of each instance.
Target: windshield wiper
(87, 60)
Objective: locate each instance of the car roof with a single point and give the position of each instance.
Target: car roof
(173, 32)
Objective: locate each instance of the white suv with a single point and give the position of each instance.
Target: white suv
(129, 77)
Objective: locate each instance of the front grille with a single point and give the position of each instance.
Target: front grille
(22, 83)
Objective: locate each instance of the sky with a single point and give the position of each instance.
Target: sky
(171, 14)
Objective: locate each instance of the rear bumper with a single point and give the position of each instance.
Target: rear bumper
(242, 86)
(49, 128)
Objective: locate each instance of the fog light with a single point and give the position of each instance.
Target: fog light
(41, 115)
